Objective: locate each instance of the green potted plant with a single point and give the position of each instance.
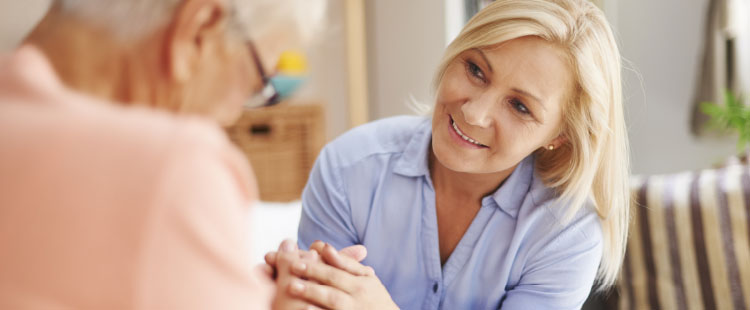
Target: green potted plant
(732, 116)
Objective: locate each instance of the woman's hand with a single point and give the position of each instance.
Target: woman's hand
(283, 300)
(351, 286)
(355, 252)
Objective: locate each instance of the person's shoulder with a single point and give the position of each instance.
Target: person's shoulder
(164, 145)
(562, 220)
(77, 144)
(163, 134)
(141, 138)
(385, 136)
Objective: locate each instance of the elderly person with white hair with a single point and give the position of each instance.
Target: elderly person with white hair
(119, 189)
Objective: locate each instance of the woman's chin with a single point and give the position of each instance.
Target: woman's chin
(451, 160)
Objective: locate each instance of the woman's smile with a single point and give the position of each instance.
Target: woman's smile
(463, 139)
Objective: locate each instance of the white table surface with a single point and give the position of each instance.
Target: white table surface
(270, 223)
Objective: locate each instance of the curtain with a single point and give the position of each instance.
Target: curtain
(726, 56)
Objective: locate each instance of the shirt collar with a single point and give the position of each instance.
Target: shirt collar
(414, 160)
(509, 197)
(511, 194)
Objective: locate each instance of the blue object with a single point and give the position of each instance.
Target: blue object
(372, 186)
(286, 85)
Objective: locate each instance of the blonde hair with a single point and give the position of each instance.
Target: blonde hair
(594, 164)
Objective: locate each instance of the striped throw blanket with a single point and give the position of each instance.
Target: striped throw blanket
(689, 246)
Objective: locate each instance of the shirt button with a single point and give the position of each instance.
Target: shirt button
(435, 288)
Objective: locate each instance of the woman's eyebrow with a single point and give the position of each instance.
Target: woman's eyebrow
(486, 60)
(515, 89)
(528, 94)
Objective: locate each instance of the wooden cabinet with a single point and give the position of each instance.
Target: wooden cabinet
(281, 143)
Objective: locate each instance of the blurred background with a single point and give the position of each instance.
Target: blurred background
(375, 55)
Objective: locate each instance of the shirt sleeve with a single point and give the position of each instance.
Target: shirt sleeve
(194, 252)
(560, 274)
(326, 213)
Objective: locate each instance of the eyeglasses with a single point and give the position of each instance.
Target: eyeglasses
(268, 95)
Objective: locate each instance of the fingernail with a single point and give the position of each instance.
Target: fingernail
(299, 267)
(297, 287)
(287, 246)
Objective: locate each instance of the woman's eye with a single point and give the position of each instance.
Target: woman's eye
(475, 71)
(519, 106)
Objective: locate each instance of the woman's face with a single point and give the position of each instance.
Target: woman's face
(497, 105)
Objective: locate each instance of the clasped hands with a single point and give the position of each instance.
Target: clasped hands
(324, 278)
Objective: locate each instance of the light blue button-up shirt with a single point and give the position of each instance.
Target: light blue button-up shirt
(372, 186)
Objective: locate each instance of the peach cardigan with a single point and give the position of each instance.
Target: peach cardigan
(108, 207)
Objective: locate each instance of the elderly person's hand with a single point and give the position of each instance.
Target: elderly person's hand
(355, 252)
(322, 286)
(283, 300)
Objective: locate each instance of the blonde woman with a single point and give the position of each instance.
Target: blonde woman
(513, 195)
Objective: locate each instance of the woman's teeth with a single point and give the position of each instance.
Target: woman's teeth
(465, 137)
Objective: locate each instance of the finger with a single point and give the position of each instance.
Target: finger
(317, 246)
(324, 274)
(288, 245)
(268, 271)
(332, 257)
(310, 255)
(285, 259)
(356, 252)
(321, 295)
(270, 258)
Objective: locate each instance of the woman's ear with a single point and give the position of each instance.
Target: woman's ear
(558, 142)
(195, 25)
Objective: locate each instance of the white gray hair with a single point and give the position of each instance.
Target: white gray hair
(129, 19)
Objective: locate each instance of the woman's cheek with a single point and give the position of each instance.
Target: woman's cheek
(235, 86)
(512, 134)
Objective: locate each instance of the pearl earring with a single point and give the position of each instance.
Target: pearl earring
(550, 147)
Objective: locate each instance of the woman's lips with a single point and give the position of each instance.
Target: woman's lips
(463, 138)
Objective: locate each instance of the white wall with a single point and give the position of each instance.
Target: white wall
(663, 40)
(405, 42)
(17, 18)
(328, 71)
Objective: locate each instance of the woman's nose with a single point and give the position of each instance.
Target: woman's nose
(477, 112)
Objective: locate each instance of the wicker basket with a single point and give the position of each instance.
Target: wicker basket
(281, 143)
